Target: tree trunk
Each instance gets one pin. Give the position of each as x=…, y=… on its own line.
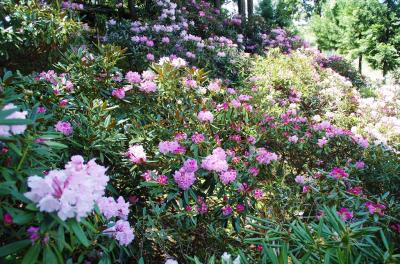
x=132, y=8
x=217, y=4
x=385, y=70
x=318, y=7
x=148, y=6
x=242, y=9
x=360, y=64
x=250, y=8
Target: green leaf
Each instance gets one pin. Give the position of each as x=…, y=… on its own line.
x=77, y=229
x=60, y=238
x=14, y=247
x=11, y=122
x=55, y=145
x=32, y=255
x=49, y=256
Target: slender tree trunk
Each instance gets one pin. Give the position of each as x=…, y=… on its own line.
x=148, y=6
x=250, y=8
x=360, y=64
x=385, y=71
x=242, y=8
x=318, y=7
x=217, y=4
x=132, y=8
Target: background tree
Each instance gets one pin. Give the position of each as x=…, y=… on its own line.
x=361, y=28
x=278, y=13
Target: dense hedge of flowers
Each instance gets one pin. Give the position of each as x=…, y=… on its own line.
x=162, y=161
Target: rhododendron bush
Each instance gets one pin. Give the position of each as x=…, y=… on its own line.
x=178, y=148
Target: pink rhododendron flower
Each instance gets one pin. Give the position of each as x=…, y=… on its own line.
x=148, y=87
x=180, y=136
x=64, y=127
x=169, y=147
x=258, y=194
x=360, y=165
x=184, y=179
x=165, y=40
x=251, y=140
x=355, y=190
x=227, y=210
x=118, y=93
x=6, y=130
x=362, y=142
x=240, y=208
x=322, y=142
x=214, y=86
x=216, y=161
x=178, y=62
x=205, y=116
x=7, y=219
x=111, y=208
x=265, y=157
x=293, y=139
x=338, y=173
x=136, y=154
x=254, y=171
x=202, y=207
x=396, y=227
x=63, y=103
x=70, y=192
x=148, y=75
x=41, y=110
x=190, y=165
x=375, y=208
x=306, y=188
x=133, y=77
x=69, y=86
x=122, y=232
x=33, y=233
x=150, y=57
x=162, y=180
x=197, y=138
x=190, y=83
x=228, y=176
x=345, y=214
x=300, y=179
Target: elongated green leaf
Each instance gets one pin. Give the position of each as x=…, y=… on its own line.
x=32, y=255
x=77, y=229
x=14, y=247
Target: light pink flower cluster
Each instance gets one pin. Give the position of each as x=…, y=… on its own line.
x=64, y=127
x=258, y=194
x=111, y=208
x=70, y=192
x=216, y=161
x=133, y=77
x=185, y=176
x=148, y=87
x=197, y=138
x=171, y=147
x=205, y=116
x=214, y=86
x=136, y=154
x=122, y=232
x=228, y=176
x=5, y=130
x=265, y=157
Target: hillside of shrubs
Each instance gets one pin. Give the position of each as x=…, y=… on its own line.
x=188, y=135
